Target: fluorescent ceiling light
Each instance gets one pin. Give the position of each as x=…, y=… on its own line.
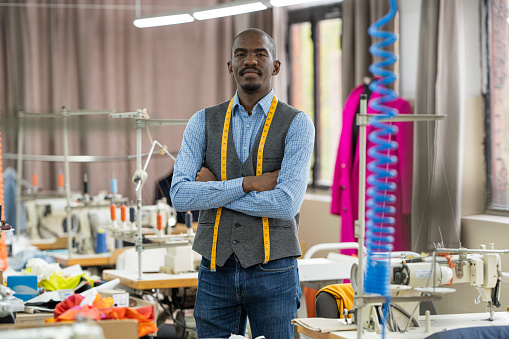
x=281, y=3
x=229, y=10
x=163, y=20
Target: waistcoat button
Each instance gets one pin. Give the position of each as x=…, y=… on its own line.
x=237, y=225
x=235, y=242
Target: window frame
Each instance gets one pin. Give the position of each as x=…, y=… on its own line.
x=489, y=152
x=313, y=15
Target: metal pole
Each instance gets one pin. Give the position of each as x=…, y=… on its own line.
x=21, y=138
x=139, y=240
x=465, y=250
x=433, y=266
x=361, y=221
x=67, y=181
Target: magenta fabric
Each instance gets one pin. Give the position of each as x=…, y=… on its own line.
x=345, y=186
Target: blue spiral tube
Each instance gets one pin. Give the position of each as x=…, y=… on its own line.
x=379, y=216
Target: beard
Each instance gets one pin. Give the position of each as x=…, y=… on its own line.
x=251, y=87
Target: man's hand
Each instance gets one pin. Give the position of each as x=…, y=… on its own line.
x=204, y=175
x=261, y=183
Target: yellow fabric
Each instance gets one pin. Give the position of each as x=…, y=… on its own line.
x=343, y=293
x=58, y=282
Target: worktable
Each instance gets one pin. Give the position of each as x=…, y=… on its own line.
x=152, y=280
x=438, y=324
x=50, y=244
x=88, y=260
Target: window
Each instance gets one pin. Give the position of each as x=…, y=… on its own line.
x=497, y=101
x=315, y=81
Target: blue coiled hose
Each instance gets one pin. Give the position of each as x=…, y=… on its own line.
x=379, y=216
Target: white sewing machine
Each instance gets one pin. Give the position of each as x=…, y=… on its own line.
x=415, y=279
x=45, y=218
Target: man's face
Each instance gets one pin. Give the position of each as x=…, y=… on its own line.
x=252, y=63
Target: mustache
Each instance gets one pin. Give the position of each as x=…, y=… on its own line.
x=250, y=69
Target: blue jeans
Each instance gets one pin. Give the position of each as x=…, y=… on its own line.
x=269, y=294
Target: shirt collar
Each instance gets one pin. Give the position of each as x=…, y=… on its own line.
x=263, y=104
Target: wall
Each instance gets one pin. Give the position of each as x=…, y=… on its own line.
x=317, y=224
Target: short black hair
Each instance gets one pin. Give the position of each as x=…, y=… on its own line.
x=272, y=44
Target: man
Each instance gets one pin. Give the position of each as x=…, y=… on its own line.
x=245, y=165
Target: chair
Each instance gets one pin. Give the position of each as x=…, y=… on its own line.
x=332, y=299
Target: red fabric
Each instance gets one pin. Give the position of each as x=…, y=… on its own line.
x=345, y=186
x=69, y=310
x=70, y=302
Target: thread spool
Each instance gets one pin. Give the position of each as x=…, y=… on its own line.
x=160, y=222
x=132, y=216
x=35, y=181
x=123, y=213
x=60, y=182
x=189, y=219
x=85, y=184
x=113, y=186
x=113, y=214
x=189, y=222
x=100, y=242
x=160, y=225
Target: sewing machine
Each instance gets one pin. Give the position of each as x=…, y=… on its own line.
x=418, y=278
x=45, y=218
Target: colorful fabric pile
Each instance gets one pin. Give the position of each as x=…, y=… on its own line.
x=74, y=308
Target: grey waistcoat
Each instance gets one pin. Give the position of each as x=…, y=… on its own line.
x=240, y=233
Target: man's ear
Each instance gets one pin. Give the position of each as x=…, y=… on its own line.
x=230, y=68
x=276, y=66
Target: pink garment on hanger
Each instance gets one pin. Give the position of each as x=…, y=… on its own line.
x=345, y=186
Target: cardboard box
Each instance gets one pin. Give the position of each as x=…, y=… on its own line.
x=28, y=319
x=120, y=297
x=113, y=329
x=136, y=302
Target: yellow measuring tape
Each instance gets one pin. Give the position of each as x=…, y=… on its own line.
x=259, y=168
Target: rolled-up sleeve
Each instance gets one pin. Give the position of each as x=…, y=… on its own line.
x=188, y=194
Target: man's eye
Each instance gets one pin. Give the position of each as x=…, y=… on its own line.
x=261, y=54
x=240, y=54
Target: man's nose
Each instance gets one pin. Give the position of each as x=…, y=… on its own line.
x=250, y=60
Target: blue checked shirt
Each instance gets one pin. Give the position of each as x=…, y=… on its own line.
x=283, y=202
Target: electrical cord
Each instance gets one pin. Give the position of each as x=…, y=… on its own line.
x=172, y=317
x=406, y=314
